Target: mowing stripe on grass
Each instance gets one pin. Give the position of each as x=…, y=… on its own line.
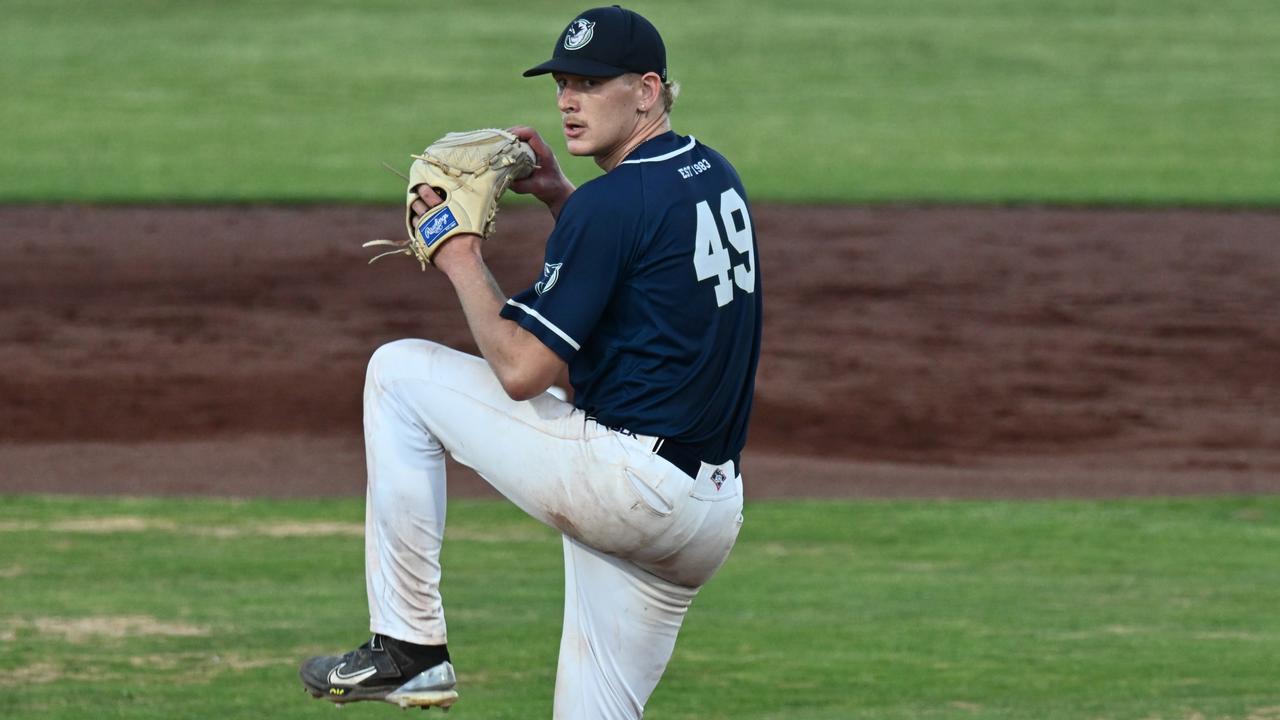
x=824, y=100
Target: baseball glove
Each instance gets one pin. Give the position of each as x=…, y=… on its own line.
x=470, y=171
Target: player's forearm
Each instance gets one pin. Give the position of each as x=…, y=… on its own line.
x=515, y=355
x=482, y=300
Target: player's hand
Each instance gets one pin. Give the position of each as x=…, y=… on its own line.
x=464, y=243
x=547, y=183
x=429, y=200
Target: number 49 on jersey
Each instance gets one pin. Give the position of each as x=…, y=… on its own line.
x=711, y=259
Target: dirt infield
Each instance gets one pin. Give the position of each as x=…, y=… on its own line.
x=957, y=352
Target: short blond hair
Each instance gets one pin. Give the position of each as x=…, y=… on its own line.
x=670, y=91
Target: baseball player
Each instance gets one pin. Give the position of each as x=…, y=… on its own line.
x=649, y=307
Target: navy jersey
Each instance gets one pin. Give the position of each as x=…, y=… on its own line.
x=650, y=292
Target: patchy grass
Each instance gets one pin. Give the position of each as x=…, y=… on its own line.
x=154, y=608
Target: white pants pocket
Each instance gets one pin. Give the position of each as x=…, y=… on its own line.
x=648, y=495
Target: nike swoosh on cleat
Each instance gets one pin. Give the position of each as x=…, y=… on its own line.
x=337, y=678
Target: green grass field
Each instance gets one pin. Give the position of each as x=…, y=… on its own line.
x=1148, y=101
x=1151, y=609
x=150, y=608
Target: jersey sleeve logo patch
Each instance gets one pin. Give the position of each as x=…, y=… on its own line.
x=550, y=274
x=435, y=227
x=579, y=34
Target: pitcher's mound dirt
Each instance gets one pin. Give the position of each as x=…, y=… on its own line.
x=965, y=352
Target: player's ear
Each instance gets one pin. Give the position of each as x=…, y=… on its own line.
x=650, y=91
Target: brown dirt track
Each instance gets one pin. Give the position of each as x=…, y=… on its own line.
x=958, y=352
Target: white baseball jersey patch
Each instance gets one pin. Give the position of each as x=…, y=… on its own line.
x=550, y=274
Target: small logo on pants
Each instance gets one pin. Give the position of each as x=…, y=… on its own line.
x=718, y=477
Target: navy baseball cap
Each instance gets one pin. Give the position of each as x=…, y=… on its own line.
x=607, y=42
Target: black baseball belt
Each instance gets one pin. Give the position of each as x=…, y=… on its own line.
x=687, y=457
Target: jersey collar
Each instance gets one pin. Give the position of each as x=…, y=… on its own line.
x=660, y=147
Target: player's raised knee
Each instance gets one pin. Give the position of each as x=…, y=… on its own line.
x=398, y=357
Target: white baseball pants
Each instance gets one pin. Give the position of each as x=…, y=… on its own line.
x=640, y=536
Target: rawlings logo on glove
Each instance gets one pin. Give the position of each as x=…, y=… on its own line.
x=472, y=169
x=432, y=228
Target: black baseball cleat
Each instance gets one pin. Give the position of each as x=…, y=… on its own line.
x=384, y=669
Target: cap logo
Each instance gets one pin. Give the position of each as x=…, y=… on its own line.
x=579, y=34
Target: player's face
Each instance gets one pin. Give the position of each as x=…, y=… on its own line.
x=598, y=115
